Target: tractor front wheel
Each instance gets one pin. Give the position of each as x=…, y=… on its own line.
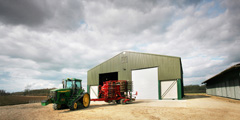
x=74, y=107
x=86, y=100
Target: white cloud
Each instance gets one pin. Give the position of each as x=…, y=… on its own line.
x=205, y=34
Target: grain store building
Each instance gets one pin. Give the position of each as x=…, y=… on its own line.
x=226, y=83
x=153, y=76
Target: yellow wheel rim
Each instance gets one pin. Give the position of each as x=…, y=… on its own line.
x=75, y=106
x=86, y=100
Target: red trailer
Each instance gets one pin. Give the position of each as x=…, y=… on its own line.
x=116, y=91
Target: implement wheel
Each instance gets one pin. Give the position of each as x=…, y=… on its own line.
x=86, y=100
x=122, y=101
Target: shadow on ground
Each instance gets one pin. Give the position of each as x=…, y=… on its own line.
x=103, y=105
x=195, y=96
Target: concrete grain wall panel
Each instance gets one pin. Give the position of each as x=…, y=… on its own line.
x=228, y=87
x=232, y=89
x=237, y=88
x=226, y=83
x=214, y=89
x=218, y=89
x=208, y=91
x=223, y=88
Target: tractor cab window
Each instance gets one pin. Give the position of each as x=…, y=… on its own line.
x=69, y=84
x=78, y=84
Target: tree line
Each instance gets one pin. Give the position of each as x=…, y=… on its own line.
x=195, y=89
x=28, y=92
x=3, y=93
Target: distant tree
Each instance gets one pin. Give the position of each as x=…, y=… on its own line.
x=195, y=89
x=27, y=90
x=37, y=92
x=3, y=92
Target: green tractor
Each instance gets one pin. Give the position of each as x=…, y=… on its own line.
x=72, y=96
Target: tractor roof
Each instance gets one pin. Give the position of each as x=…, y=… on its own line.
x=73, y=79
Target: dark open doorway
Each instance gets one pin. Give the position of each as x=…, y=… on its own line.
x=107, y=76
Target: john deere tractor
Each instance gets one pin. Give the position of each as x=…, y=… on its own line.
x=72, y=96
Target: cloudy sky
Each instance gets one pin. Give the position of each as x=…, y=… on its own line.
x=44, y=41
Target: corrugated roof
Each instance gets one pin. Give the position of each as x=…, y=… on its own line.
x=226, y=70
x=135, y=53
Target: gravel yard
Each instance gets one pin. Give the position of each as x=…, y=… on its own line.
x=192, y=107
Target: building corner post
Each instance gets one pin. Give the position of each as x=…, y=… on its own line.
x=88, y=89
x=159, y=89
x=179, y=89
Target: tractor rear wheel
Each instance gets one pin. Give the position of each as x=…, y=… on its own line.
x=86, y=100
x=56, y=106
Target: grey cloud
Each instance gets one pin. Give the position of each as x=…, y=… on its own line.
x=184, y=3
x=189, y=2
x=28, y=12
x=134, y=16
x=57, y=14
x=129, y=17
x=142, y=5
x=146, y=5
x=233, y=55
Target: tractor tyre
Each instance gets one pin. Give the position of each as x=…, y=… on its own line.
x=56, y=106
x=86, y=100
x=74, y=106
x=122, y=101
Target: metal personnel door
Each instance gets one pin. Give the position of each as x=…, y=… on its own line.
x=94, y=92
x=169, y=89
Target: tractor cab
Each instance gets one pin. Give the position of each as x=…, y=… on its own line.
x=73, y=83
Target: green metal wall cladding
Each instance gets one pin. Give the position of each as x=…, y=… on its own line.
x=169, y=67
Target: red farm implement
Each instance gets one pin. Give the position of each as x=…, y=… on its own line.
x=116, y=91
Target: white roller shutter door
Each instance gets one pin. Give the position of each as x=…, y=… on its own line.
x=145, y=82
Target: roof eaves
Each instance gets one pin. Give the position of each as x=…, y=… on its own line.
x=224, y=71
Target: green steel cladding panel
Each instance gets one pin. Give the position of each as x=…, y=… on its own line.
x=159, y=90
x=168, y=67
x=179, y=89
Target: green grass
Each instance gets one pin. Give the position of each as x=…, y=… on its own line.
x=14, y=100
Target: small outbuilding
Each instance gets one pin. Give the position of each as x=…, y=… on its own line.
x=226, y=83
x=153, y=76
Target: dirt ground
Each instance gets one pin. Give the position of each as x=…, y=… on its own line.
x=194, y=107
